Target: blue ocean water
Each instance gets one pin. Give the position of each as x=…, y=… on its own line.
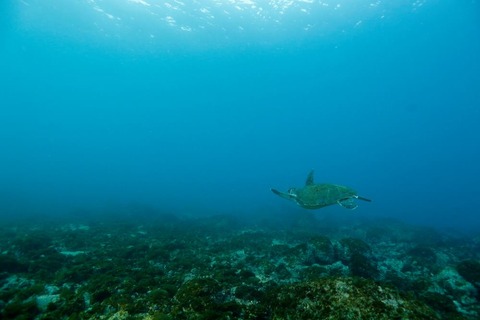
x=199, y=107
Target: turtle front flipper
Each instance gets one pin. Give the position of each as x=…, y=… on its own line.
x=284, y=195
x=310, y=179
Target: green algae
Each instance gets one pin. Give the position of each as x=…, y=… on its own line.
x=345, y=298
x=203, y=298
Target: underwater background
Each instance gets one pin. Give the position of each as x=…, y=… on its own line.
x=107, y=102
x=127, y=125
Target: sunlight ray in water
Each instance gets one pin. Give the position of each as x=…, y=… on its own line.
x=214, y=20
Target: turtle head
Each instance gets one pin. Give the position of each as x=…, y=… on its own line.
x=290, y=195
x=292, y=192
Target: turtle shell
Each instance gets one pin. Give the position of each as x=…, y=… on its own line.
x=317, y=196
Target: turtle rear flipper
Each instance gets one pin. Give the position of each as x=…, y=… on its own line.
x=348, y=203
x=364, y=199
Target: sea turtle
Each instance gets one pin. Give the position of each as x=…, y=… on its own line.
x=316, y=196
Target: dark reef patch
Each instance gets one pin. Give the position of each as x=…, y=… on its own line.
x=470, y=271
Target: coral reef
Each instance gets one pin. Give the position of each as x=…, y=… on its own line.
x=225, y=268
